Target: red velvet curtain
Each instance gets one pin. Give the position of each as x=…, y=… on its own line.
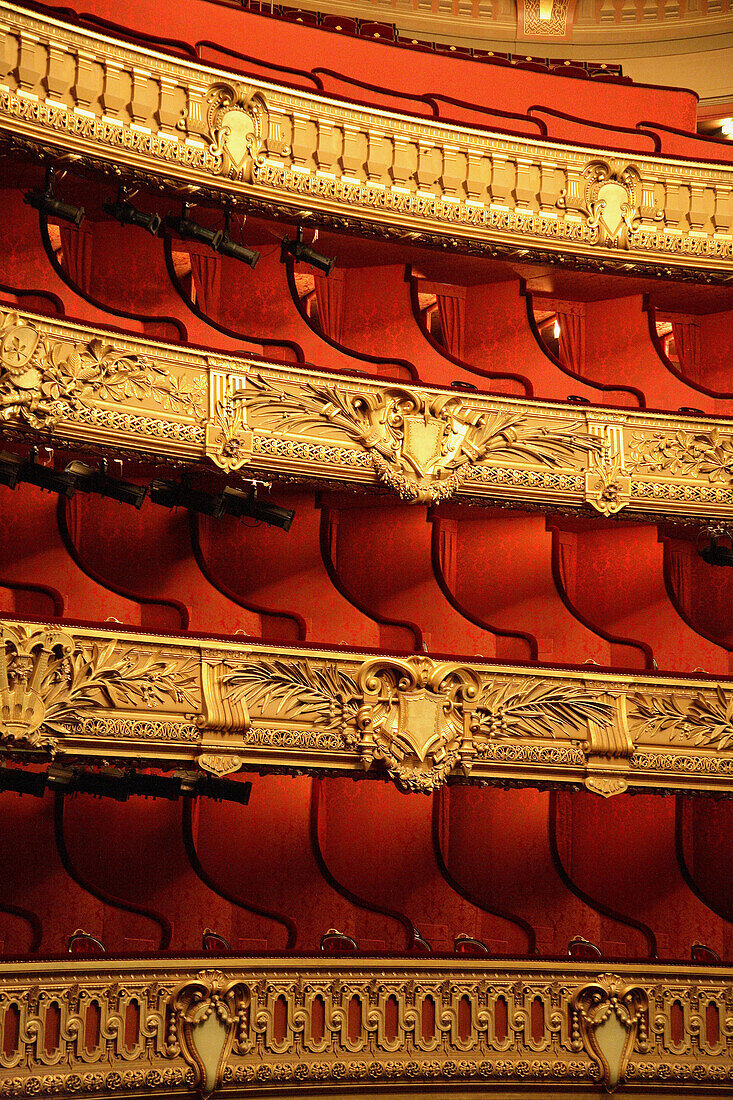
x=687, y=344
x=452, y=313
x=330, y=302
x=76, y=246
x=206, y=272
x=571, y=341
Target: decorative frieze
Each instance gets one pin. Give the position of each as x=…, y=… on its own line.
x=103, y=694
x=116, y=105
x=241, y=1026
x=96, y=388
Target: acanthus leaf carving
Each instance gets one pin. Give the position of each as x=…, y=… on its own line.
x=423, y=446
x=47, y=677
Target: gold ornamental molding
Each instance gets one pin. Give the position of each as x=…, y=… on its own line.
x=203, y=130
x=95, y=388
x=381, y=1027
x=100, y=694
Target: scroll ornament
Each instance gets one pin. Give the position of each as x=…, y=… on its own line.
x=47, y=677
x=607, y=1018
x=44, y=379
x=210, y=1017
x=239, y=126
x=421, y=718
x=423, y=446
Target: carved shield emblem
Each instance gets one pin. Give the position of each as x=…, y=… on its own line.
x=238, y=130
x=17, y=348
x=421, y=443
x=612, y=198
x=420, y=722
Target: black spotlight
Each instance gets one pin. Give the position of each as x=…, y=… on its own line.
x=127, y=214
x=46, y=202
x=176, y=494
x=190, y=230
x=91, y=479
x=718, y=552
x=218, y=239
x=303, y=252
x=237, y=503
x=13, y=469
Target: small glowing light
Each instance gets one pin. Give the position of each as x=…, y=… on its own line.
x=556, y=329
x=726, y=127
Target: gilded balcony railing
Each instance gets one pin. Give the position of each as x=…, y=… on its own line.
x=88, y=386
x=306, y=156
x=380, y=1027
x=102, y=694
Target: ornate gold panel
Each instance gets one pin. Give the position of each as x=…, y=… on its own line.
x=382, y=1027
x=76, y=384
x=309, y=157
x=101, y=694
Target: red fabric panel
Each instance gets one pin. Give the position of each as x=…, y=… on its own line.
x=330, y=300
x=206, y=272
x=687, y=345
x=572, y=341
x=452, y=313
x=638, y=873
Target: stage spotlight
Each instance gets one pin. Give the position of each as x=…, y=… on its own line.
x=223, y=790
x=237, y=503
x=219, y=239
x=174, y=494
x=302, y=252
x=46, y=202
x=14, y=469
x=227, y=247
x=127, y=214
x=717, y=552
x=91, y=479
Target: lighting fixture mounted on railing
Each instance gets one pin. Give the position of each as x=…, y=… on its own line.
x=218, y=239
x=45, y=202
x=127, y=214
x=303, y=253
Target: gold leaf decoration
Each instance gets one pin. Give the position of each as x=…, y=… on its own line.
x=539, y=709
x=704, y=454
x=47, y=677
x=296, y=688
x=705, y=720
x=422, y=445
x=43, y=379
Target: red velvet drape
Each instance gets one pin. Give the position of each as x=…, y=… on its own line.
x=687, y=344
x=452, y=313
x=206, y=272
x=571, y=341
x=76, y=246
x=330, y=302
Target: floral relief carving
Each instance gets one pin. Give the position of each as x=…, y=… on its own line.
x=423, y=446
x=421, y=718
x=703, y=454
x=47, y=677
x=705, y=720
x=44, y=379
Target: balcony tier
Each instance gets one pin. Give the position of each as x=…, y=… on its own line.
x=326, y=160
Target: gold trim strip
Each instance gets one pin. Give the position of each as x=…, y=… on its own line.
x=257, y=1026
x=78, y=384
x=83, y=693
x=70, y=90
